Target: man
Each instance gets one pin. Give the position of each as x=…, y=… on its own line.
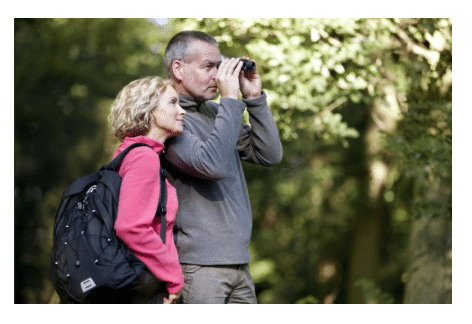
x=214, y=222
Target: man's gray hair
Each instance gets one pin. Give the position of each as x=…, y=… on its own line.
x=177, y=47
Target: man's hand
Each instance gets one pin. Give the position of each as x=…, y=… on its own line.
x=250, y=83
x=227, y=78
x=172, y=299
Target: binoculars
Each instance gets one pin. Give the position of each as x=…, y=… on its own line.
x=247, y=65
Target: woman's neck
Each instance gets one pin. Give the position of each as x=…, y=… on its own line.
x=158, y=134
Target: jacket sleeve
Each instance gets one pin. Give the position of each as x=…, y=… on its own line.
x=260, y=142
x=139, y=196
x=208, y=159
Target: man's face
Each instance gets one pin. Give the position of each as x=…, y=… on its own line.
x=198, y=78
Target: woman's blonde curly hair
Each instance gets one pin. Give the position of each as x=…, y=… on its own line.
x=130, y=113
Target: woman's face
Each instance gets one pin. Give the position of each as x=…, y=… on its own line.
x=168, y=116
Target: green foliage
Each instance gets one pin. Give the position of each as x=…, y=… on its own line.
x=422, y=145
x=298, y=68
x=67, y=71
x=308, y=300
x=373, y=294
x=423, y=148
x=321, y=76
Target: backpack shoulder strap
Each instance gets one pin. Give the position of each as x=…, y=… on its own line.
x=116, y=163
x=161, y=207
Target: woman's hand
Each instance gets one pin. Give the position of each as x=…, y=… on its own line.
x=172, y=299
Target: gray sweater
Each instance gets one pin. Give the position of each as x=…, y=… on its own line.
x=214, y=221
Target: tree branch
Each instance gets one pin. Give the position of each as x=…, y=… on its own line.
x=331, y=107
x=431, y=56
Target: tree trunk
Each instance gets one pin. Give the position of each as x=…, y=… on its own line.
x=368, y=228
x=365, y=253
x=429, y=277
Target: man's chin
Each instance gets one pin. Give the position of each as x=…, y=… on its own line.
x=211, y=95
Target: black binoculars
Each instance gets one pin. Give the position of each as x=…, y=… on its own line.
x=247, y=65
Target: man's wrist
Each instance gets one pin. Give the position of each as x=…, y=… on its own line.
x=255, y=101
x=252, y=96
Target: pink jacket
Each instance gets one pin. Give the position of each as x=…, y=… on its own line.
x=136, y=224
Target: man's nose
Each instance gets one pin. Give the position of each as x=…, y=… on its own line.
x=214, y=71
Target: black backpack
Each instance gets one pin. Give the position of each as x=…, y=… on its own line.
x=90, y=264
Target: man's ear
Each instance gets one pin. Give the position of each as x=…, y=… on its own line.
x=176, y=68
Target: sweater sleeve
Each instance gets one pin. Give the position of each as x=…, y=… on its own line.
x=260, y=142
x=208, y=159
x=135, y=224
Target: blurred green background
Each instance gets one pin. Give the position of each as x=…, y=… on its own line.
x=359, y=210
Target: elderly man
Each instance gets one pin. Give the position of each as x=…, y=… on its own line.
x=214, y=222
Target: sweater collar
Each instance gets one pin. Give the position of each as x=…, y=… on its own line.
x=189, y=103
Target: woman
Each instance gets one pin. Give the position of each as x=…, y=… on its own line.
x=148, y=111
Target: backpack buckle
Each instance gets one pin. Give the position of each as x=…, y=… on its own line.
x=91, y=189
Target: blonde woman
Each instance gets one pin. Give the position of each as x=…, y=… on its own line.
x=148, y=111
